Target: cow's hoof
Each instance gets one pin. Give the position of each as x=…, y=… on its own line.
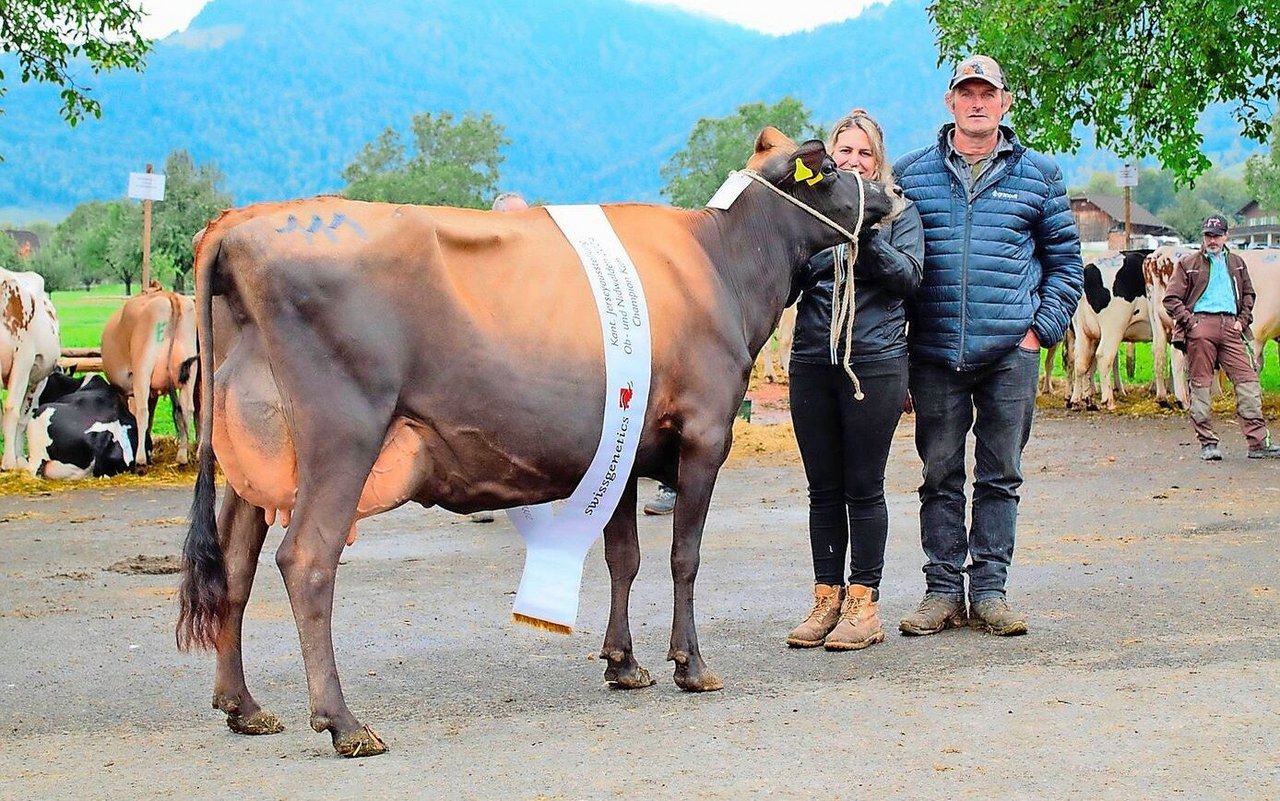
x=364, y=743
x=260, y=722
x=627, y=675
x=693, y=675
x=704, y=681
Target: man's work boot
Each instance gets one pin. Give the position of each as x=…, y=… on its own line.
x=859, y=624
x=994, y=615
x=1267, y=451
x=827, y=599
x=664, y=503
x=935, y=613
x=1210, y=453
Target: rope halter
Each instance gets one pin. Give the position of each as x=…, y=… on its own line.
x=842, y=303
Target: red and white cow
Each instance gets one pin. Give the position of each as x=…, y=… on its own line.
x=149, y=349
x=29, y=351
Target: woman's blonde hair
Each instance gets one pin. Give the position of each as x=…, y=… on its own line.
x=859, y=118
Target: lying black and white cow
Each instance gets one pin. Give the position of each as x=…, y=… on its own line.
x=87, y=431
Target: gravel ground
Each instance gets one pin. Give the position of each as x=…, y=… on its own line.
x=1152, y=669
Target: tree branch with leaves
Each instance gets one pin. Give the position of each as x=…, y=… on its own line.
x=56, y=40
x=1140, y=74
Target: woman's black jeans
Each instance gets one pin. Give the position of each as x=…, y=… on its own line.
x=844, y=444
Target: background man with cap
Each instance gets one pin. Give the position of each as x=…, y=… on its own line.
x=1002, y=276
x=1210, y=299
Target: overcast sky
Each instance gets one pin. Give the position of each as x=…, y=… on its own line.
x=166, y=16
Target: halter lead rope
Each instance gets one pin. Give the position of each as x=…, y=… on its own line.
x=842, y=304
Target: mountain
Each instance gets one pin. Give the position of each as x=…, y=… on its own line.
x=595, y=95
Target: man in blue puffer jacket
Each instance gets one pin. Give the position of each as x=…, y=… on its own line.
x=1002, y=276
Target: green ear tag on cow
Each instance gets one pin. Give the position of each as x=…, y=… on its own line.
x=815, y=179
x=803, y=172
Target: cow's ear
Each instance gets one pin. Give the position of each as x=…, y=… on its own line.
x=807, y=162
x=771, y=138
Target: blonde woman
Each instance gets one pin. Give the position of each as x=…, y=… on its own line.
x=844, y=441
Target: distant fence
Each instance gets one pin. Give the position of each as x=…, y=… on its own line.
x=81, y=360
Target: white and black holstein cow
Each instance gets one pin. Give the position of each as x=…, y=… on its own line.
x=445, y=356
x=1113, y=309
x=81, y=428
x=29, y=349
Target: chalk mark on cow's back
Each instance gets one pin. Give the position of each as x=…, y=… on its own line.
x=318, y=225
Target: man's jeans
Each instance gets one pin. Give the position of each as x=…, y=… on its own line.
x=1004, y=396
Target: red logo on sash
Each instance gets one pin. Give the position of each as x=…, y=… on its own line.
x=624, y=396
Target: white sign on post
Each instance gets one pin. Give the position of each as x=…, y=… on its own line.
x=1127, y=175
x=146, y=186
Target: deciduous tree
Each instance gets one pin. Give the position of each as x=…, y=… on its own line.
x=55, y=39
x=1139, y=73
x=453, y=163
x=719, y=145
x=1262, y=173
x=192, y=197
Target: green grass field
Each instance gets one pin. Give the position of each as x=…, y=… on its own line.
x=1270, y=376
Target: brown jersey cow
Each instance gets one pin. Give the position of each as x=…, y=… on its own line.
x=453, y=357
x=149, y=349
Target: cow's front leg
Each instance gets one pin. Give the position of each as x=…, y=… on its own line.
x=697, y=480
x=622, y=554
x=241, y=531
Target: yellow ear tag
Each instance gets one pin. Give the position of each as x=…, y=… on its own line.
x=815, y=179
x=802, y=172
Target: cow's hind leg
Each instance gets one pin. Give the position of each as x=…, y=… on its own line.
x=622, y=553
x=343, y=441
x=700, y=460
x=241, y=529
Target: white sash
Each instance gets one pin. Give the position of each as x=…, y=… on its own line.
x=557, y=541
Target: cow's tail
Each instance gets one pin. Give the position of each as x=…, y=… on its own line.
x=202, y=596
x=175, y=314
x=184, y=370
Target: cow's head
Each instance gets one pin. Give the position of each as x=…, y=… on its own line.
x=808, y=173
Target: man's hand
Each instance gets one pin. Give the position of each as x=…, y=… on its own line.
x=1030, y=341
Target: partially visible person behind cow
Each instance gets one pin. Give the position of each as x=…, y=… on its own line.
x=505, y=201
x=1002, y=276
x=844, y=441
x=1210, y=299
x=510, y=201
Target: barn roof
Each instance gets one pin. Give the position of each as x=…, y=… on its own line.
x=1113, y=207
